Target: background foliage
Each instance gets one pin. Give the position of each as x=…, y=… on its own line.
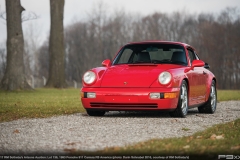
x=88, y=42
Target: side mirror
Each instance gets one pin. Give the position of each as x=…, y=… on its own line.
x=106, y=63
x=207, y=66
x=197, y=63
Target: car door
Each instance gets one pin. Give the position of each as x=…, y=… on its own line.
x=197, y=81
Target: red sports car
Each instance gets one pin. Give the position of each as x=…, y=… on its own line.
x=151, y=76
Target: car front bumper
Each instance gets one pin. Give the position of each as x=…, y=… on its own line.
x=129, y=99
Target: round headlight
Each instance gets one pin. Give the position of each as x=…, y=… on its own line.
x=164, y=78
x=89, y=77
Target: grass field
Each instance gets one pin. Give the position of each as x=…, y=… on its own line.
x=219, y=139
x=42, y=103
x=39, y=103
x=227, y=95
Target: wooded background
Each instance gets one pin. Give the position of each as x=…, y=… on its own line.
x=87, y=43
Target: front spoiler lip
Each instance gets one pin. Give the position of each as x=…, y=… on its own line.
x=129, y=109
x=141, y=93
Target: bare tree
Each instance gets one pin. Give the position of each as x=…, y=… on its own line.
x=32, y=41
x=42, y=62
x=2, y=60
x=56, y=77
x=14, y=77
x=215, y=37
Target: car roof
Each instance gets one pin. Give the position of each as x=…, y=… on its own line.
x=162, y=42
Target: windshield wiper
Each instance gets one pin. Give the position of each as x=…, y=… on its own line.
x=161, y=61
x=142, y=63
x=179, y=62
x=137, y=62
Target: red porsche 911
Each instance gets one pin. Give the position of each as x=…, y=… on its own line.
x=151, y=76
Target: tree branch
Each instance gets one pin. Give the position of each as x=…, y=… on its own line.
x=27, y=16
x=3, y=15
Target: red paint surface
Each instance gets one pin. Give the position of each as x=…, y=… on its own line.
x=127, y=87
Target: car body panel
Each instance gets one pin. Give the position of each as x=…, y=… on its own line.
x=128, y=99
x=133, y=75
x=127, y=86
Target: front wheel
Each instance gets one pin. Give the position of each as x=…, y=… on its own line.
x=211, y=105
x=95, y=113
x=182, y=107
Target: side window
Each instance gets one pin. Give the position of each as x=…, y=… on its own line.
x=192, y=55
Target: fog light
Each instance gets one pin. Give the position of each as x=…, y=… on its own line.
x=170, y=95
x=154, y=95
x=91, y=95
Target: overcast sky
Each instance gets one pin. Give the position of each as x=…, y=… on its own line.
x=78, y=9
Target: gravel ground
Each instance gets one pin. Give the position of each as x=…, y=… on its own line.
x=61, y=134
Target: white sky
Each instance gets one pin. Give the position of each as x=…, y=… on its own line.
x=78, y=9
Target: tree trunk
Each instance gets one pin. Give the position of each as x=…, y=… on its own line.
x=56, y=77
x=14, y=77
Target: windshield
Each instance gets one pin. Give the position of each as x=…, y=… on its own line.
x=151, y=53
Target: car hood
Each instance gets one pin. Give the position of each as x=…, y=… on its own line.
x=141, y=75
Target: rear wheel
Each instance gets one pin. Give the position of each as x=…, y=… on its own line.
x=95, y=113
x=182, y=107
x=211, y=105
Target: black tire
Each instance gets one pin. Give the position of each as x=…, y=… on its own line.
x=182, y=106
x=211, y=105
x=95, y=113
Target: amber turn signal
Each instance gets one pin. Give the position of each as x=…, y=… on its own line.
x=170, y=95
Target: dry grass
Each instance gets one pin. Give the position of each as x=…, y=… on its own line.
x=40, y=103
x=227, y=95
x=219, y=139
x=43, y=103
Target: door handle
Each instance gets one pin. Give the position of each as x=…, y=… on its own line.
x=204, y=72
